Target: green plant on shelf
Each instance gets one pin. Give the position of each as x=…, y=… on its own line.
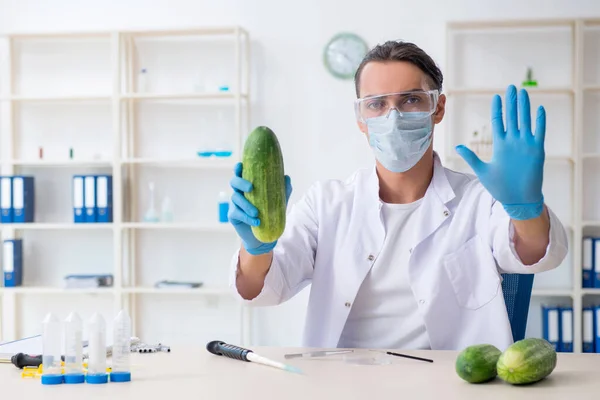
x=529, y=81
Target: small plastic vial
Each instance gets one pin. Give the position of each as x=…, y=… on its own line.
x=73, y=349
x=121, y=371
x=223, y=207
x=51, y=351
x=166, y=213
x=97, y=351
x=143, y=80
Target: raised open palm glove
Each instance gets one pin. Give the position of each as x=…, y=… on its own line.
x=514, y=175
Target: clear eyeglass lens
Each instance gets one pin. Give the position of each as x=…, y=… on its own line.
x=403, y=102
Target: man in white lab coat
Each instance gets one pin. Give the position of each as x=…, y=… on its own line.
x=408, y=254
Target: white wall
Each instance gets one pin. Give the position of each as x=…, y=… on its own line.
x=310, y=111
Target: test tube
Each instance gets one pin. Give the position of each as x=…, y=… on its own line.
x=51, y=351
x=121, y=348
x=97, y=350
x=73, y=349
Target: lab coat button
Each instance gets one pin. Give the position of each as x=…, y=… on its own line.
x=410, y=250
x=371, y=257
x=347, y=304
x=421, y=301
x=446, y=213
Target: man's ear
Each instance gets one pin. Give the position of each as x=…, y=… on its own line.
x=440, y=110
x=362, y=126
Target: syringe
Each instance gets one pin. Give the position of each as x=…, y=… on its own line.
x=121, y=349
x=73, y=349
x=51, y=351
x=97, y=351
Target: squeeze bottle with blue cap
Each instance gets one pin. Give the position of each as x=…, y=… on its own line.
x=97, y=351
x=73, y=349
x=121, y=348
x=51, y=351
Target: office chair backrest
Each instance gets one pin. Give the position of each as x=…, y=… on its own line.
x=516, y=289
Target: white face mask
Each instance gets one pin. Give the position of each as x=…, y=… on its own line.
x=399, y=142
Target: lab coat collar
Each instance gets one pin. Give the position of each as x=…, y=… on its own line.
x=439, y=186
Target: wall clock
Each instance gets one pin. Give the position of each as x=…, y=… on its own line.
x=343, y=53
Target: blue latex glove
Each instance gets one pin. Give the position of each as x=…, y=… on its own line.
x=515, y=173
x=243, y=214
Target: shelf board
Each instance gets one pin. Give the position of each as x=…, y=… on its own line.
x=591, y=87
x=590, y=291
x=61, y=163
x=219, y=291
x=552, y=293
x=182, y=96
x=198, y=162
x=58, y=98
x=502, y=91
x=590, y=223
x=55, y=290
x=223, y=227
x=590, y=155
x=56, y=226
x=496, y=24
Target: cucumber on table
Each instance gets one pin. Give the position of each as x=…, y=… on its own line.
x=527, y=361
x=477, y=363
x=262, y=165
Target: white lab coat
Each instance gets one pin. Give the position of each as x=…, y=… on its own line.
x=463, y=242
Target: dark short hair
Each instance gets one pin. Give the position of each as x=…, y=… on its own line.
x=402, y=51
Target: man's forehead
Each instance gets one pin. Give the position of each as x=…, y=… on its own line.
x=391, y=77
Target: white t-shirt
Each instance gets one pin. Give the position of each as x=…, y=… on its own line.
x=385, y=313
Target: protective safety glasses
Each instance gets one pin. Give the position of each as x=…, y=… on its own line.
x=405, y=102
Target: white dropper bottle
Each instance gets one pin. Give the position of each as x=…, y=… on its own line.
x=74, y=349
x=97, y=350
x=121, y=350
x=51, y=351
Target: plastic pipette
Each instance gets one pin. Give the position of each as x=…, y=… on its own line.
x=51, y=352
x=121, y=349
x=239, y=353
x=73, y=349
x=318, y=353
x=97, y=351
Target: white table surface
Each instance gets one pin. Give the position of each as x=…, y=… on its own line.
x=193, y=373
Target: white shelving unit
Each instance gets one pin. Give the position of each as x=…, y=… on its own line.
x=485, y=57
x=81, y=90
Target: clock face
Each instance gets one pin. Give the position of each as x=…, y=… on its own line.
x=343, y=54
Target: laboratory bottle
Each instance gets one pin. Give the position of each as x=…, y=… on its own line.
x=223, y=207
x=151, y=214
x=121, y=351
x=143, y=81
x=166, y=213
x=97, y=350
x=74, y=349
x=51, y=350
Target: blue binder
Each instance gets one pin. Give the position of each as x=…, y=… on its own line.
x=588, y=331
x=566, y=334
x=6, y=210
x=596, y=264
x=588, y=262
x=104, y=199
x=89, y=198
x=23, y=201
x=551, y=325
x=597, y=329
x=78, y=198
x=13, y=262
